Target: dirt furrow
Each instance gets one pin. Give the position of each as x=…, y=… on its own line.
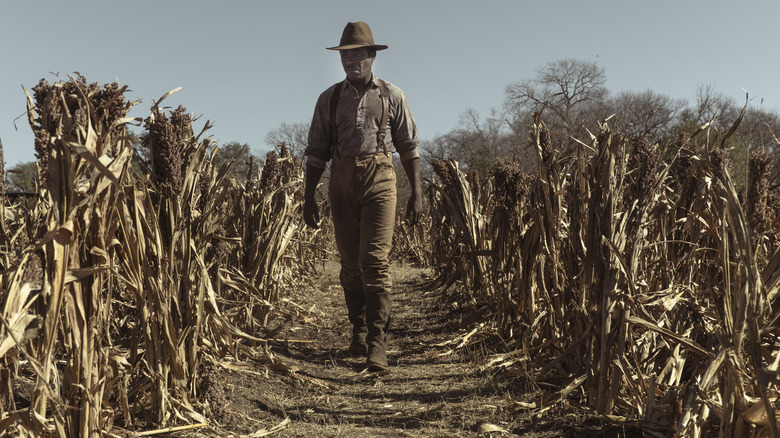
x=426, y=392
x=316, y=389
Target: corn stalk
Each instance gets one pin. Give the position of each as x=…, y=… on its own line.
x=468, y=224
x=85, y=166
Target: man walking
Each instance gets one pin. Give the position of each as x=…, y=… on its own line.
x=357, y=125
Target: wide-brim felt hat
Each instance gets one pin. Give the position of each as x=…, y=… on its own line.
x=355, y=36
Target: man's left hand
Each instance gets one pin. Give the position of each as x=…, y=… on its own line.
x=414, y=206
x=414, y=209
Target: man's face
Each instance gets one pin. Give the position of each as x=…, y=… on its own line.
x=357, y=64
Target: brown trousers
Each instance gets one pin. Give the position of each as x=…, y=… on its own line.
x=362, y=196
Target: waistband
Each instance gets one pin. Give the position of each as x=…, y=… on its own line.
x=379, y=158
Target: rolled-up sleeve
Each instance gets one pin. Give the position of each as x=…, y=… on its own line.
x=318, y=151
x=404, y=130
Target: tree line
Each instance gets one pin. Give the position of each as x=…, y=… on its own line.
x=572, y=98
x=570, y=95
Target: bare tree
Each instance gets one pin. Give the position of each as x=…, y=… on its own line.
x=475, y=144
x=757, y=128
x=757, y=131
x=562, y=91
x=647, y=114
x=295, y=136
x=710, y=105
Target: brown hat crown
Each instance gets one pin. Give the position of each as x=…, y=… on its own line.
x=357, y=35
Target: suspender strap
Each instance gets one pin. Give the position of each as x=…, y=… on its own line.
x=384, y=94
x=334, y=103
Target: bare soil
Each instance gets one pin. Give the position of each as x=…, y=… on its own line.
x=317, y=389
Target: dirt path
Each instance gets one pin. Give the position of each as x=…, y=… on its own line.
x=324, y=392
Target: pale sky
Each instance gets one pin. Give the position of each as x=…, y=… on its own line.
x=249, y=66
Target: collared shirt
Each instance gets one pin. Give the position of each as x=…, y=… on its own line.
x=357, y=123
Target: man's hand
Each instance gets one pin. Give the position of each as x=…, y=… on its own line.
x=311, y=213
x=414, y=208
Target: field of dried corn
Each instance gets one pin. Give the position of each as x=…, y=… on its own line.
x=650, y=284
x=637, y=280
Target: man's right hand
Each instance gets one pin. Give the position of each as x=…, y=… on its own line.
x=311, y=213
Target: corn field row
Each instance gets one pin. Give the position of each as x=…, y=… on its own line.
x=640, y=279
x=118, y=288
x=648, y=284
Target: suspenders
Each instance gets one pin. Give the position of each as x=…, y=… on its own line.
x=384, y=95
x=334, y=103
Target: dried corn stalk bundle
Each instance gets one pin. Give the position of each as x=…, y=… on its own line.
x=313, y=247
x=19, y=323
x=542, y=248
x=412, y=244
x=64, y=280
x=514, y=242
x=647, y=288
x=19, y=219
x=273, y=250
x=167, y=230
x=442, y=236
x=6, y=393
x=129, y=282
x=5, y=239
x=455, y=206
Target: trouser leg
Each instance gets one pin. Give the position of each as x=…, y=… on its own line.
x=356, y=311
x=363, y=202
x=346, y=219
x=376, y=229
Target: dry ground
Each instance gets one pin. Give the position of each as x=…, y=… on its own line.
x=319, y=390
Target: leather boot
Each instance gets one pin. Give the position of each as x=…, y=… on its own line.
x=358, y=345
x=356, y=309
x=378, y=321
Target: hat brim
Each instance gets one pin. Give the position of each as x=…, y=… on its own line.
x=357, y=46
